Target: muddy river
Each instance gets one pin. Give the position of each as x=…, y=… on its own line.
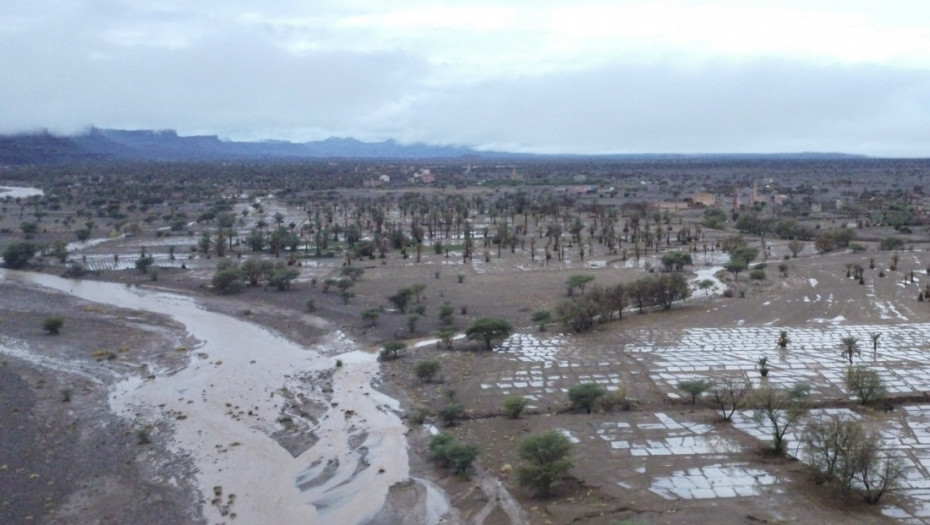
x=226, y=409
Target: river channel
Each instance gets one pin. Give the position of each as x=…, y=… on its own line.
x=226, y=409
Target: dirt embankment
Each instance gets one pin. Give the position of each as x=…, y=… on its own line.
x=64, y=456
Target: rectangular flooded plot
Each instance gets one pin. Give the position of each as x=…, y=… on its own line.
x=714, y=481
x=905, y=434
x=813, y=355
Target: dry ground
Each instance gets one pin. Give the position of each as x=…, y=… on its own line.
x=64, y=456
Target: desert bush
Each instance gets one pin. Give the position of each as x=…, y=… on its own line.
x=328, y=283
x=585, y=396
x=228, y=278
x=450, y=452
x=615, y=400
x=143, y=436
x=446, y=313
x=729, y=395
x=371, y=315
x=865, y=384
x=282, y=277
x=450, y=413
x=53, y=324
x=514, y=405
x=418, y=415
x=541, y=318
x=545, y=461
x=890, y=244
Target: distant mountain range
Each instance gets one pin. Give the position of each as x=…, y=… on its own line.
x=112, y=145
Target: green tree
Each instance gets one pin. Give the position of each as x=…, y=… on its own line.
x=670, y=288
x=17, y=254
x=735, y=266
x=391, y=349
x=427, y=369
x=60, y=250
x=446, y=314
x=545, y=461
x=144, y=263
x=676, y=260
x=416, y=290
x=706, y=285
x=715, y=218
x=82, y=235
x=256, y=240
x=412, y=322
x=450, y=452
x=850, y=346
x=585, y=396
x=254, y=268
x=30, y=229
x=781, y=409
x=205, y=243
x=487, y=329
x=577, y=313
x=694, y=387
x=577, y=281
x=401, y=299
x=446, y=336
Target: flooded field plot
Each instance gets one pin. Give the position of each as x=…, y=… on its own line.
x=905, y=435
x=814, y=355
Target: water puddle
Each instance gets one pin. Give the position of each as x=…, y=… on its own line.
x=19, y=192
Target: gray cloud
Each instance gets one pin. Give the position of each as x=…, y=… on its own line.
x=228, y=83
x=131, y=65
x=758, y=106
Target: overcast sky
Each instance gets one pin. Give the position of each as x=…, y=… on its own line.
x=581, y=76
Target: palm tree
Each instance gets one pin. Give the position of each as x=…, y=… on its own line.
x=875, y=337
x=850, y=345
